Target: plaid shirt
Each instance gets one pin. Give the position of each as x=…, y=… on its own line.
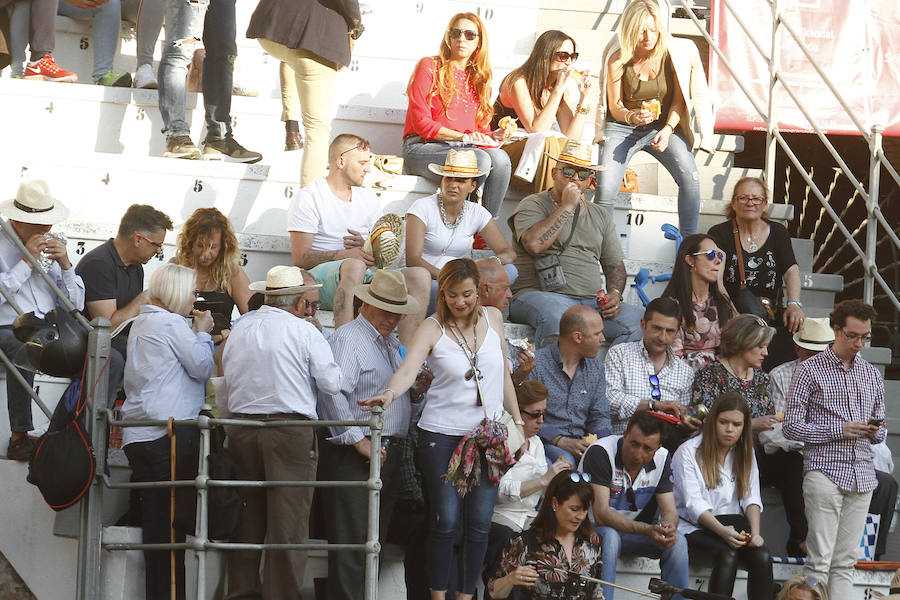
x=628, y=371
x=824, y=395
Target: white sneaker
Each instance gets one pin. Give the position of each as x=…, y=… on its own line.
x=145, y=78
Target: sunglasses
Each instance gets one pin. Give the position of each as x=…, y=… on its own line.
x=534, y=415
x=363, y=146
x=571, y=172
x=751, y=200
x=566, y=56
x=158, y=245
x=629, y=495
x=470, y=34
x=711, y=254
x=474, y=371
x=655, y=392
x=575, y=476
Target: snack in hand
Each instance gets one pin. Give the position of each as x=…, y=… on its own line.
x=745, y=537
x=576, y=75
x=590, y=438
x=522, y=344
x=508, y=123
x=654, y=106
x=780, y=417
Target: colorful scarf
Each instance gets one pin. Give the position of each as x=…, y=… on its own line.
x=465, y=463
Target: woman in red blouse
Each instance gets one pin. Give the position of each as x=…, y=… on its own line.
x=450, y=106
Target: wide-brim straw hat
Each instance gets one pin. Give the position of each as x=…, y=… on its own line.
x=283, y=281
x=576, y=154
x=815, y=334
x=459, y=163
x=894, y=593
x=387, y=291
x=34, y=204
x=386, y=240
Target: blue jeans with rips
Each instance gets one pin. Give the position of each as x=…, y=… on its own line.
x=624, y=141
x=542, y=310
x=673, y=561
x=219, y=33
x=184, y=22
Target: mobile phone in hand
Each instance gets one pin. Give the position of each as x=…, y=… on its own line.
x=876, y=422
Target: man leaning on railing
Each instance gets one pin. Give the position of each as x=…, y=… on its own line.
x=273, y=362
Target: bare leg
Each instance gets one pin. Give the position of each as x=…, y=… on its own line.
x=352, y=272
x=418, y=285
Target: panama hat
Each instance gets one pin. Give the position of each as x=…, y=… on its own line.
x=387, y=292
x=894, y=593
x=283, y=281
x=576, y=154
x=34, y=204
x=459, y=163
x=815, y=334
x=386, y=240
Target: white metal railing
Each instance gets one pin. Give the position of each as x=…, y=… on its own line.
x=774, y=139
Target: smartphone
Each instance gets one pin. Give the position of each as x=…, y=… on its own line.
x=876, y=422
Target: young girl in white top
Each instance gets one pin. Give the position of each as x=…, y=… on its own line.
x=717, y=495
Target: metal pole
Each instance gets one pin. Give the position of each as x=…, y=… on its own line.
x=771, y=119
x=373, y=546
x=202, y=503
x=90, y=534
x=871, y=208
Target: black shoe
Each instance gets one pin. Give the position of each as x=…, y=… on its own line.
x=230, y=151
x=181, y=146
x=21, y=449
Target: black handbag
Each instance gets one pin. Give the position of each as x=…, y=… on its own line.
x=745, y=301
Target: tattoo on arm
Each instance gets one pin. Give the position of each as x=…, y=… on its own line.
x=615, y=276
x=317, y=257
x=551, y=232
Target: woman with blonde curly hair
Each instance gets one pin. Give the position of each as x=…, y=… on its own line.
x=208, y=245
x=450, y=106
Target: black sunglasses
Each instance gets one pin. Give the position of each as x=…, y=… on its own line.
x=363, y=146
x=655, y=393
x=711, y=254
x=575, y=476
x=566, y=56
x=470, y=34
x=534, y=415
x=571, y=172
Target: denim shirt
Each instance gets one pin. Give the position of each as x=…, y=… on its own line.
x=575, y=407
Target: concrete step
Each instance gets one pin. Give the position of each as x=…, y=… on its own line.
x=803, y=252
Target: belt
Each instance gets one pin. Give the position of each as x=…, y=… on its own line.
x=272, y=417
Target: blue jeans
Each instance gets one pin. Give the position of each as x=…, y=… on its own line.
x=18, y=401
x=673, y=561
x=553, y=453
x=219, y=31
x=443, y=505
x=104, y=34
x=623, y=142
x=542, y=310
x=418, y=154
x=184, y=20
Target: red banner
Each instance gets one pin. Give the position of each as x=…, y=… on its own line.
x=855, y=42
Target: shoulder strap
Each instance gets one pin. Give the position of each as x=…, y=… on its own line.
x=740, y=254
x=572, y=232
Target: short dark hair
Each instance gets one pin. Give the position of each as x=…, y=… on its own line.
x=648, y=424
x=143, y=217
x=851, y=308
x=562, y=487
x=665, y=306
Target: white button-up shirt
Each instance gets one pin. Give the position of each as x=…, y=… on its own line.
x=28, y=288
x=274, y=362
x=693, y=498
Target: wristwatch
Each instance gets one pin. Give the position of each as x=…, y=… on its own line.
x=650, y=403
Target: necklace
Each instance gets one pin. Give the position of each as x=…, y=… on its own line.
x=753, y=247
x=455, y=224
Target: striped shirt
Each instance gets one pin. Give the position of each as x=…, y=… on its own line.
x=628, y=371
x=367, y=361
x=824, y=395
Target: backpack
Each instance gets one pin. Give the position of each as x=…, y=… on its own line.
x=62, y=465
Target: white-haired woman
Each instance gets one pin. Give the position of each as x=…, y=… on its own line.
x=166, y=370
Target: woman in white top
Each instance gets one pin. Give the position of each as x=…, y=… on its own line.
x=460, y=333
x=522, y=487
x=716, y=484
x=441, y=227
x=166, y=370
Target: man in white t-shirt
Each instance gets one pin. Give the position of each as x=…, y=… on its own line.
x=329, y=221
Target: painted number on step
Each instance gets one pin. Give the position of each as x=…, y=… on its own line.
x=807, y=281
x=243, y=261
x=485, y=12
x=420, y=6
x=289, y=191
x=83, y=43
x=635, y=219
x=198, y=185
x=354, y=64
x=79, y=248
x=140, y=115
x=161, y=256
x=233, y=122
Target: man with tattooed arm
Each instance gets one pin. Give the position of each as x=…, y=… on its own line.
x=562, y=242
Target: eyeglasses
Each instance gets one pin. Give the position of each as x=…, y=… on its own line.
x=710, y=254
x=571, y=172
x=575, y=476
x=655, y=393
x=750, y=200
x=566, y=56
x=534, y=415
x=857, y=337
x=363, y=146
x=311, y=306
x=159, y=245
x=629, y=495
x=470, y=34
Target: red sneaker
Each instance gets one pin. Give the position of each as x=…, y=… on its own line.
x=46, y=69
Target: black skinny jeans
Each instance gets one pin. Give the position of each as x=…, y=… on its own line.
x=784, y=470
x=725, y=560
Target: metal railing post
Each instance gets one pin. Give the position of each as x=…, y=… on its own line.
x=871, y=208
x=373, y=546
x=202, y=531
x=772, y=119
x=91, y=530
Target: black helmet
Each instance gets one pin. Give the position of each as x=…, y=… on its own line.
x=56, y=345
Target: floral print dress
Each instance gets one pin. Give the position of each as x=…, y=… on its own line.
x=700, y=346
x=546, y=557
x=714, y=380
